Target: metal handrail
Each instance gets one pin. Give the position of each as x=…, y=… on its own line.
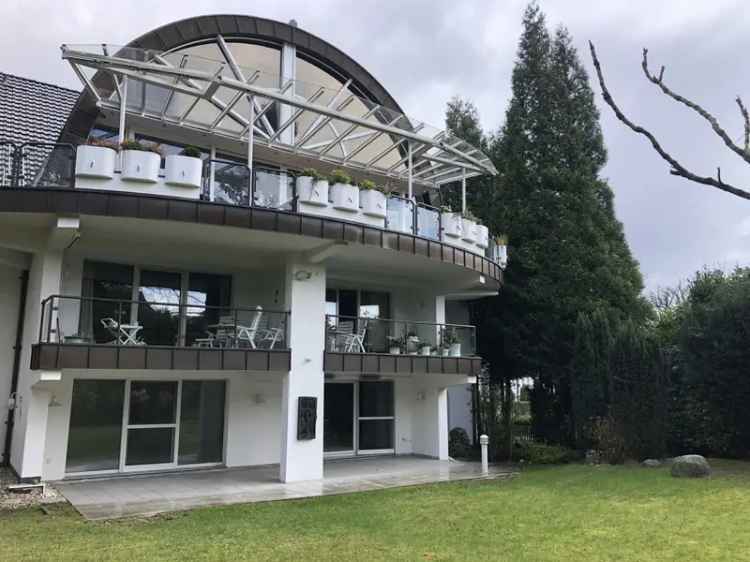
x=52, y=305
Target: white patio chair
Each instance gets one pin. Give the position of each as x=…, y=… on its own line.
x=113, y=327
x=249, y=333
x=356, y=341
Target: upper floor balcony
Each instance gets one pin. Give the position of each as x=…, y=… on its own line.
x=106, y=333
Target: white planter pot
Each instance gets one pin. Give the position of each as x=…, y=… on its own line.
x=395, y=351
x=455, y=350
x=444, y=352
x=345, y=197
x=140, y=165
x=469, y=230
x=482, y=236
x=182, y=170
x=373, y=203
x=452, y=224
x=95, y=162
x=312, y=191
x=425, y=350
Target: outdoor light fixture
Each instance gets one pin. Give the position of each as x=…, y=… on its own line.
x=302, y=275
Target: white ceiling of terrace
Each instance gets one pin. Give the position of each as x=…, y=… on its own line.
x=210, y=88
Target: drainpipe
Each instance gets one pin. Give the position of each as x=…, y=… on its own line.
x=16, y=367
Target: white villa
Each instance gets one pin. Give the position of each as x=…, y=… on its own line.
x=229, y=250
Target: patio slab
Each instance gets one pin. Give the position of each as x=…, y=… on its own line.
x=144, y=495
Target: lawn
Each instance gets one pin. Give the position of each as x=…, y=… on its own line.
x=556, y=513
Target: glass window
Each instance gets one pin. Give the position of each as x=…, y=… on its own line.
x=201, y=422
x=375, y=399
x=152, y=402
x=95, y=425
x=375, y=434
x=111, y=282
x=159, y=308
x=338, y=418
x=207, y=299
x=152, y=445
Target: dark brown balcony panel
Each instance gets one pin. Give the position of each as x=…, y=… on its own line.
x=374, y=363
x=53, y=357
x=154, y=207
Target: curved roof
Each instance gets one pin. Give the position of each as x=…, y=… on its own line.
x=205, y=28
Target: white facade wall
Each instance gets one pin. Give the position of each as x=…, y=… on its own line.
x=460, y=396
x=27, y=452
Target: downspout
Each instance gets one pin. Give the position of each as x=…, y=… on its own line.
x=16, y=367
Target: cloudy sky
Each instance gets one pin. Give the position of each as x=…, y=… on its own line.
x=425, y=51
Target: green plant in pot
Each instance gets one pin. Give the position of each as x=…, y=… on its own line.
x=339, y=176
x=451, y=342
x=191, y=151
x=140, y=146
x=311, y=173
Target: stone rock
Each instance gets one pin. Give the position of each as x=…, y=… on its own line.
x=651, y=463
x=690, y=466
x=593, y=457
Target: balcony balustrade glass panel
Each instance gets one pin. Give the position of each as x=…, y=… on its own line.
x=428, y=222
x=273, y=189
x=351, y=334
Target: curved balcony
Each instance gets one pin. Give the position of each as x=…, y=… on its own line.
x=56, y=178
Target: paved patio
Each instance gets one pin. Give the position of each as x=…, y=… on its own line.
x=126, y=496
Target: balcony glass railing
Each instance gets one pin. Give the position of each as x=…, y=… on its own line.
x=51, y=165
x=350, y=334
x=94, y=321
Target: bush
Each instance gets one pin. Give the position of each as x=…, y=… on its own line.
x=541, y=453
x=459, y=445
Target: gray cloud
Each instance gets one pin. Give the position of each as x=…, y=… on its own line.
x=425, y=51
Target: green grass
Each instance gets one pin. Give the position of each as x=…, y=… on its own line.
x=558, y=513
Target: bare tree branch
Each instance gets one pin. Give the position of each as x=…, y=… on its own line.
x=746, y=117
x=677, y=168
x=743, y=153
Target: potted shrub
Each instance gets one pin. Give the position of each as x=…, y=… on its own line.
x=184, y=169
x=372, y=199
x=312, y=187
x=469, y=225
x=412, y=343
x=345, y=196
x=96, y=159
x=452, y=223
x=451, y=342
x=140, y=161
x=395, y=345
x=425, y=349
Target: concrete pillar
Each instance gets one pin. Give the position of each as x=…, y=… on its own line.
x=305, y=298
x=29, y=432
x=430, y=420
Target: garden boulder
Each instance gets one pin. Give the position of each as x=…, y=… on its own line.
x=651, y=463
x=690, y=466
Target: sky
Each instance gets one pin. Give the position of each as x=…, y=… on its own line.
x=426, y=51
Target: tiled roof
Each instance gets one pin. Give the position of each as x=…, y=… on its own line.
x=32, y=110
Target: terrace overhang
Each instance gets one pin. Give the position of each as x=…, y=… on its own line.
x=222, y=99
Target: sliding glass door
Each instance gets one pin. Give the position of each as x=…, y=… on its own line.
x=358, y=418
x=136, y=425
x=376, y=417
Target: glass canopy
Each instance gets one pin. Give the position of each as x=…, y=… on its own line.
x=322, y=122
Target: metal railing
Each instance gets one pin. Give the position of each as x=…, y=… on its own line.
x=102, y=321
x=352, y=334
x=52, y=165
x=37, y=164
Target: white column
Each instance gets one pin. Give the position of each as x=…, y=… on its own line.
x=29, y=432
x=463, y=190
x=305, y=299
